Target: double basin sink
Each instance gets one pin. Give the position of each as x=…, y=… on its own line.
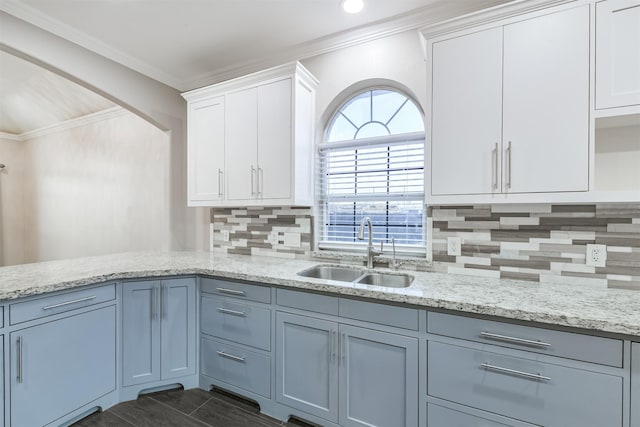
x=356, y=275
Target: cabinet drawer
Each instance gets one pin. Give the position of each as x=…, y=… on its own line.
x=59, y=303
x=307, y=301
x=241, y=368
x=605, y=351
x=527, y=390
x=238, y=322
x=383, y=314
x=439, y=416
x=236, y=289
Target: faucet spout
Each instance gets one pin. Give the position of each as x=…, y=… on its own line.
x=371, y=252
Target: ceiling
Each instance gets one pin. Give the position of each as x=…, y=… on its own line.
x=191, y=43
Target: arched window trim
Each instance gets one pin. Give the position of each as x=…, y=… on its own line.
x=404, y=202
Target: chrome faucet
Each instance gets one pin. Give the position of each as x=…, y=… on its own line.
x=371, y=252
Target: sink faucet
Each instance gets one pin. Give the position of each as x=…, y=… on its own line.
x=371, y=252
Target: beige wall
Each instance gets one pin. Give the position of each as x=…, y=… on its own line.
x=96, y=189
x=11, y=202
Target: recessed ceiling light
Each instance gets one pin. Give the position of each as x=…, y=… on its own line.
x=352, y=6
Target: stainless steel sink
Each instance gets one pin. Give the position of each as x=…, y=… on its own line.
x=387, y=280
x=356, y=275
x=332, y=272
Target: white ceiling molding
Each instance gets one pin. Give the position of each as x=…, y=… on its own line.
x=35, y=17
x=86, y=120
x=414, y=20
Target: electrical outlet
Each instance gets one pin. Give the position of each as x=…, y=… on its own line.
x=454, y=246
x=225, y=235
x=597, y=255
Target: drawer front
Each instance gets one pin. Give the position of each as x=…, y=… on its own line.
x=383, y=314
x=605, y=351
x=527, y=390
x=60, y=303
x=241, y=368
x=307, y=301
x=439, y=416
x=239, y=290
x=238, y=322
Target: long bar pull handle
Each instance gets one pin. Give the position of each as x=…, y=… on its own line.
x=508, y=180
x=19, y=376
x=334, y=344
x=75, y=301
x=234, y=312
x=260, y=181
x=230, y=291
x=253, y=177
x=343, y=349
x=514, y=340
x=538, y=376
x=494, y=168
x=164, y=303
x=220, y=182
x=153, y=303
x=230, y=356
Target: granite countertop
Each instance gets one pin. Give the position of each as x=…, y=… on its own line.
x=607, y=310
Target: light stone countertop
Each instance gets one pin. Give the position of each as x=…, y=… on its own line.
x=606, y=310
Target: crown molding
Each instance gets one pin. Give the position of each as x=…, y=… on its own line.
x=85, y=120
x=33, y=16
x=10, y=136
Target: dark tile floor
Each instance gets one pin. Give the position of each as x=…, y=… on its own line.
x=180, y=408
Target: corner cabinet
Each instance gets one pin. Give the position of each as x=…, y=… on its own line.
x=516, y=105
x=250, y=140
x=158, y=330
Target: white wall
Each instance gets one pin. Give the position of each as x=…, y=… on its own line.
x=11, y=202
x=397, y=58
x=96, y=189
x=617, y=162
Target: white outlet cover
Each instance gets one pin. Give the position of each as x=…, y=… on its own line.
x=292, y=240
x=596, y=255
x=454, y=246
x=225, y=235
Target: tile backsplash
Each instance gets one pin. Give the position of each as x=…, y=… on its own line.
x=541, y=242
x=535, y=242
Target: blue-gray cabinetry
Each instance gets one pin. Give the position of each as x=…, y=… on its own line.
x=635, y=384
x=60, y=366
x=352, y=368
x=158, y=330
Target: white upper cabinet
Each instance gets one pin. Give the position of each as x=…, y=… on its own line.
x=617, y=53
x=546, y=103
x=510, y=107
x=257, y=149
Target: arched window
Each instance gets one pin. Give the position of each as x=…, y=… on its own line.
x=372, y=164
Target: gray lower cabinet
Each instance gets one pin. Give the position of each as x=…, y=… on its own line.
x=635, y=384
x=352, y=370
x=440, y=416
x=158, y=330
x=60, y=366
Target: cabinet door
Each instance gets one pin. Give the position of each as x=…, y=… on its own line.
x=206, y=150
x=275, y=151
x=241, y=120
x=467, y=114
x=306, y=365
x=377, y=367
x=635, y=384
x=617, y=53
x=140, y=332
x=61, y=366
x=546, y=103
x=178, y=328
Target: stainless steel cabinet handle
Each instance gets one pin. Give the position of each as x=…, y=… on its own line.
x=528, y=375
x=230, y=356
x=234, y=312
x=260, y=181
x=508, y=180
x=343, y=350
x=494, y=167
x=164, y=301
x=334, y=344
x=230, y=291
x=253, y=177
x=62, y=304
x=220, y=181
x=153, y=303
x=514, y=340
x=19, y=351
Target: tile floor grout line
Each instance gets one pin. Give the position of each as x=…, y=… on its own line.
x=207, y=401
x=179, y=411
x=125, y=420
